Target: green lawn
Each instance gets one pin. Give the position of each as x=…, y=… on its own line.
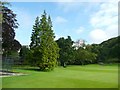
x=88, y=76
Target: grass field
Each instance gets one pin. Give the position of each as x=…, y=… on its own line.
x=88, y=76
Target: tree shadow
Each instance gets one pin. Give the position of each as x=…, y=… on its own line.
x=31, y=69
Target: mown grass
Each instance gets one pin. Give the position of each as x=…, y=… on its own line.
x=88, y=76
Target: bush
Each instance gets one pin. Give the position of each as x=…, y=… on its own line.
x=112, y=60
x=46, y=66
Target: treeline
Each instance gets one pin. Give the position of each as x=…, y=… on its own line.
x=106, y=52
x=73, y=54
x=109, y=50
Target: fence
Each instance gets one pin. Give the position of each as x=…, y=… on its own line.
x=7, y=64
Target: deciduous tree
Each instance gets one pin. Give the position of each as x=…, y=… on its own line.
x=9, y=24
x=66, y=50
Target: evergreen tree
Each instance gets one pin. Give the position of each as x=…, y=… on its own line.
x=44, y=48
x=35, y=34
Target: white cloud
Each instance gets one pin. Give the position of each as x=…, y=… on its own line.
x=112, y=31
x=104, y=22
x=80, y=30
x=107, y=15
x=59, y=19
x=98, y=35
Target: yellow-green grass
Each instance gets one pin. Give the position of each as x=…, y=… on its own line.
x=88, y=76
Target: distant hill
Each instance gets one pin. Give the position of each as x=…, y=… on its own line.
x=110, y=49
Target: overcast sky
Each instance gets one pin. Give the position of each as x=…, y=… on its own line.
x=92, y=21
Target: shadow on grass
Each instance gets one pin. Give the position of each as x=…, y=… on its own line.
x=29, y=68
x=34, y=69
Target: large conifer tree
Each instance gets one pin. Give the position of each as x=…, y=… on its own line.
x=44, y=49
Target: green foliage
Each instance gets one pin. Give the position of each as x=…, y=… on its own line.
x=66, y=50
x=95, y=48
x=43, y=47
x=83, y=57
x=0, y=18
x=70, y=55
x=24, y=51
x=13, y=54
x=110, y=50
x=107, y=51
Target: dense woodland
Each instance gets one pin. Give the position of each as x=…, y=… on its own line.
x=46, y=53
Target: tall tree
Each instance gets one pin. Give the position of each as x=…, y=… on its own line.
x=35, y=34
x=66, y=50
x=9, y=24
x=44, y=48
x=35, y=43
